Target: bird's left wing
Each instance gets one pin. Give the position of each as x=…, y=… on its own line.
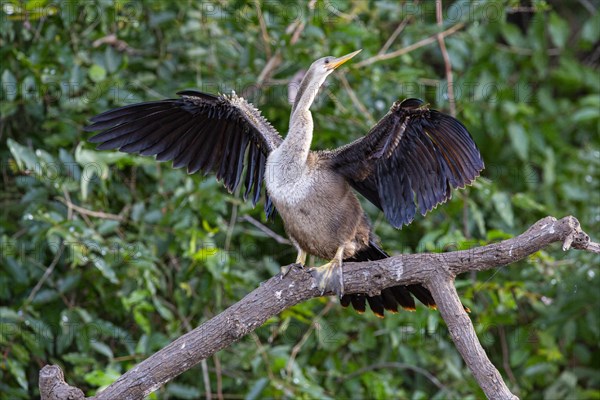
x=200, y=131
x=414, y=155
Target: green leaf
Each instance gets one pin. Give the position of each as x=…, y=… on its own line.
x=97, y=73
x=478, y=217
x=513, y=35
x=45, y=296
x=9, y=86
x=549, y=167
x=586, y=114
x=519, y=140
x=542, y=368
x=7, y=314
x=164, y=312
x=24, y=156
x=17, y=370
x=113, y=59
x=104, y=267
x=526, y=202
x=570, y=331
x=591, y=29
x=559, y=30
x=183, y=391
x=102, y=349
x=100, y=378
x=502, y=204
x=142, y=320
x=256, y=389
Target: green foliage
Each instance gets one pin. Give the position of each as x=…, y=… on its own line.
x=106, y=257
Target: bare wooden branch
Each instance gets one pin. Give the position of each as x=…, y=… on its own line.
x=118, y=44
x=85, y=211
x=278, y=238
x=412, y=47
x=53, y=385
x=437, y=271
x=446, y=57
x=464, y=337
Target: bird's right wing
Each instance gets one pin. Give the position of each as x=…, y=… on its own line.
x=200, y=131
x=413, y=156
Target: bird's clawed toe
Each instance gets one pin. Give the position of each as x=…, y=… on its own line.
x=285, y=269
x=329, y=278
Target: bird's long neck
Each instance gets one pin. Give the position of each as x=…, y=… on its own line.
x=297, y=142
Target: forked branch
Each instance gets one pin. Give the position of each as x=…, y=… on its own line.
x=436, y=270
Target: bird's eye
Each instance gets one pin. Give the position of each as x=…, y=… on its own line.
x=326, y=61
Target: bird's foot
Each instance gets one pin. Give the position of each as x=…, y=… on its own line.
x=300, y=261
x=329, y=277
x=285, y=269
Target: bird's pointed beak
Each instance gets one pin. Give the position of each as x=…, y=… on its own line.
x=340, y=60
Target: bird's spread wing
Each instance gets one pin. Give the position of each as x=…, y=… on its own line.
x=414, y=155
x=200, y=131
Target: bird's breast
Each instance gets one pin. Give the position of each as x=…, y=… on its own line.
x=319, y=211
x=288, y=182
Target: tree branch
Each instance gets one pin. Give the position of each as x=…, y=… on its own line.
x=463, y=335
x=53, y=385
x=437, y=271
x=446, y=57
x=412, y=47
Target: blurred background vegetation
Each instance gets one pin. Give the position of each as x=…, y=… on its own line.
x=105, y=257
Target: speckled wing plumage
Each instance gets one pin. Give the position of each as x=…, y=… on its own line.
x=413, y=156
x=200, y=131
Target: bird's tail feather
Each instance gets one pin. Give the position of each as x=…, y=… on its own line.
x=390, y=298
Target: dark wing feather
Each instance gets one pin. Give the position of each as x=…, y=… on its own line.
x=199, y=131
x=413, y=156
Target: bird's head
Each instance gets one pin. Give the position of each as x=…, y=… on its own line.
x=316, y=75
x=321, y=68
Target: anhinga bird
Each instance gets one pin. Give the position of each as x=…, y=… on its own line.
x=414, y=155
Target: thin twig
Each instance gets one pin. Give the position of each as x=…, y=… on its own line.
x=85, y=211
x=232, y=221
x=412, y=47
x=206, y=379
x=506, y=356
x=118, y=44
x=300, y=25
x=355, y=100
x=203, y=363
x=396, y=365
x=297, y=32
x=263, y=29
x=394, y=35
x=275, y=60
x=46, y=275
x=269, y=68
x=70, y=209
x=447, y=63
x=219, y=374
x=278, y=238
x=296, y=349
x=263, y=353
x=588, y=6
x=338, y=104
x=69, y=204
x=523, y=51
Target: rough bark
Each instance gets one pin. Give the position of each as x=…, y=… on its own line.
x=463, y=335
x=437, y=271
x=54, y=387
